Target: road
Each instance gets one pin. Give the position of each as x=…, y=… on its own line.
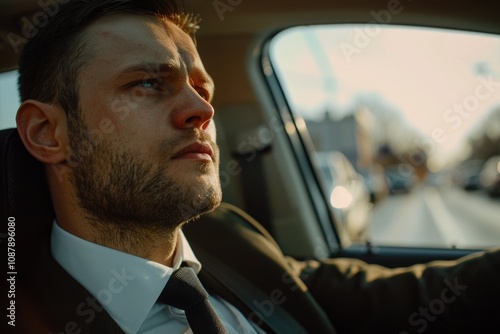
x=437, y=217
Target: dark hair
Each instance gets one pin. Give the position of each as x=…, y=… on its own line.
x=50, y=61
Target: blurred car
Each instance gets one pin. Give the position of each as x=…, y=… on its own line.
x=440, y=179
x=347, y=193
x=375, y=182
x=469, y=172
x=490, y=176
x=399, y=179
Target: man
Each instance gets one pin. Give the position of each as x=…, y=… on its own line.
x=116, y=105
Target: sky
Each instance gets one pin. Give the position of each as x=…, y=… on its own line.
x=9, y=99
x=441, y=82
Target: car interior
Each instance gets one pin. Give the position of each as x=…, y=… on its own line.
x=267, y=165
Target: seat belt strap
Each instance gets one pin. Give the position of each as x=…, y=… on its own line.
x=279, y=321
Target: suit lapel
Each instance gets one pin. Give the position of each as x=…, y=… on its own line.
x=59, y=303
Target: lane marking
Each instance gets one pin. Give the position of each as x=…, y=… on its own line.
x=398, y=218
x=445, y=222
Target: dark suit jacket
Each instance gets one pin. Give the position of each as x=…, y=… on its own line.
x=49, y=300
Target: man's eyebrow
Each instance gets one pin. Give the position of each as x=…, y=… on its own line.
x=152, y=68
x=171, y=67
x=206, y=80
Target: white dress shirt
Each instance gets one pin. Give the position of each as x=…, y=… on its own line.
x=128, y=286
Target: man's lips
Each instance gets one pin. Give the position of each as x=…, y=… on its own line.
x=196, y=150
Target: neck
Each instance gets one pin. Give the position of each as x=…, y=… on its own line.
x=154, y=245
x=157, y=246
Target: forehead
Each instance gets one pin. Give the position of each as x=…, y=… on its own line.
x=124, y=39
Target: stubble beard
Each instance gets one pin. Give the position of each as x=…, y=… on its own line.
x=126, y=197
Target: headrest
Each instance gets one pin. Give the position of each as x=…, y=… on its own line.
x=24, y=191
x=24, y=197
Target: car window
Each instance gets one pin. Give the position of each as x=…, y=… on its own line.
x=416, y=112
x=9, y=99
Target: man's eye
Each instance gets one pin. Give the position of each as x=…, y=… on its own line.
x=149, y=83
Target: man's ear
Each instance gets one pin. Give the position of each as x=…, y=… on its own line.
x=42, y=128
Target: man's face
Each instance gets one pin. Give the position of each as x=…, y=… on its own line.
x=144, y=146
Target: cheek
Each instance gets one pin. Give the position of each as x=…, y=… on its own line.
x=97, y=111
x=118, y=118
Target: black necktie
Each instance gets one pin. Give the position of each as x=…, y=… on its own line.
x=184, y=291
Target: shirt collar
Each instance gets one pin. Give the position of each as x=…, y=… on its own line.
x=115, y=278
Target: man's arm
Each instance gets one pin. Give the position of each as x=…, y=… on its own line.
x=460, y=296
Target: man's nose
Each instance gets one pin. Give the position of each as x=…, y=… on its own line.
x=192, y=111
